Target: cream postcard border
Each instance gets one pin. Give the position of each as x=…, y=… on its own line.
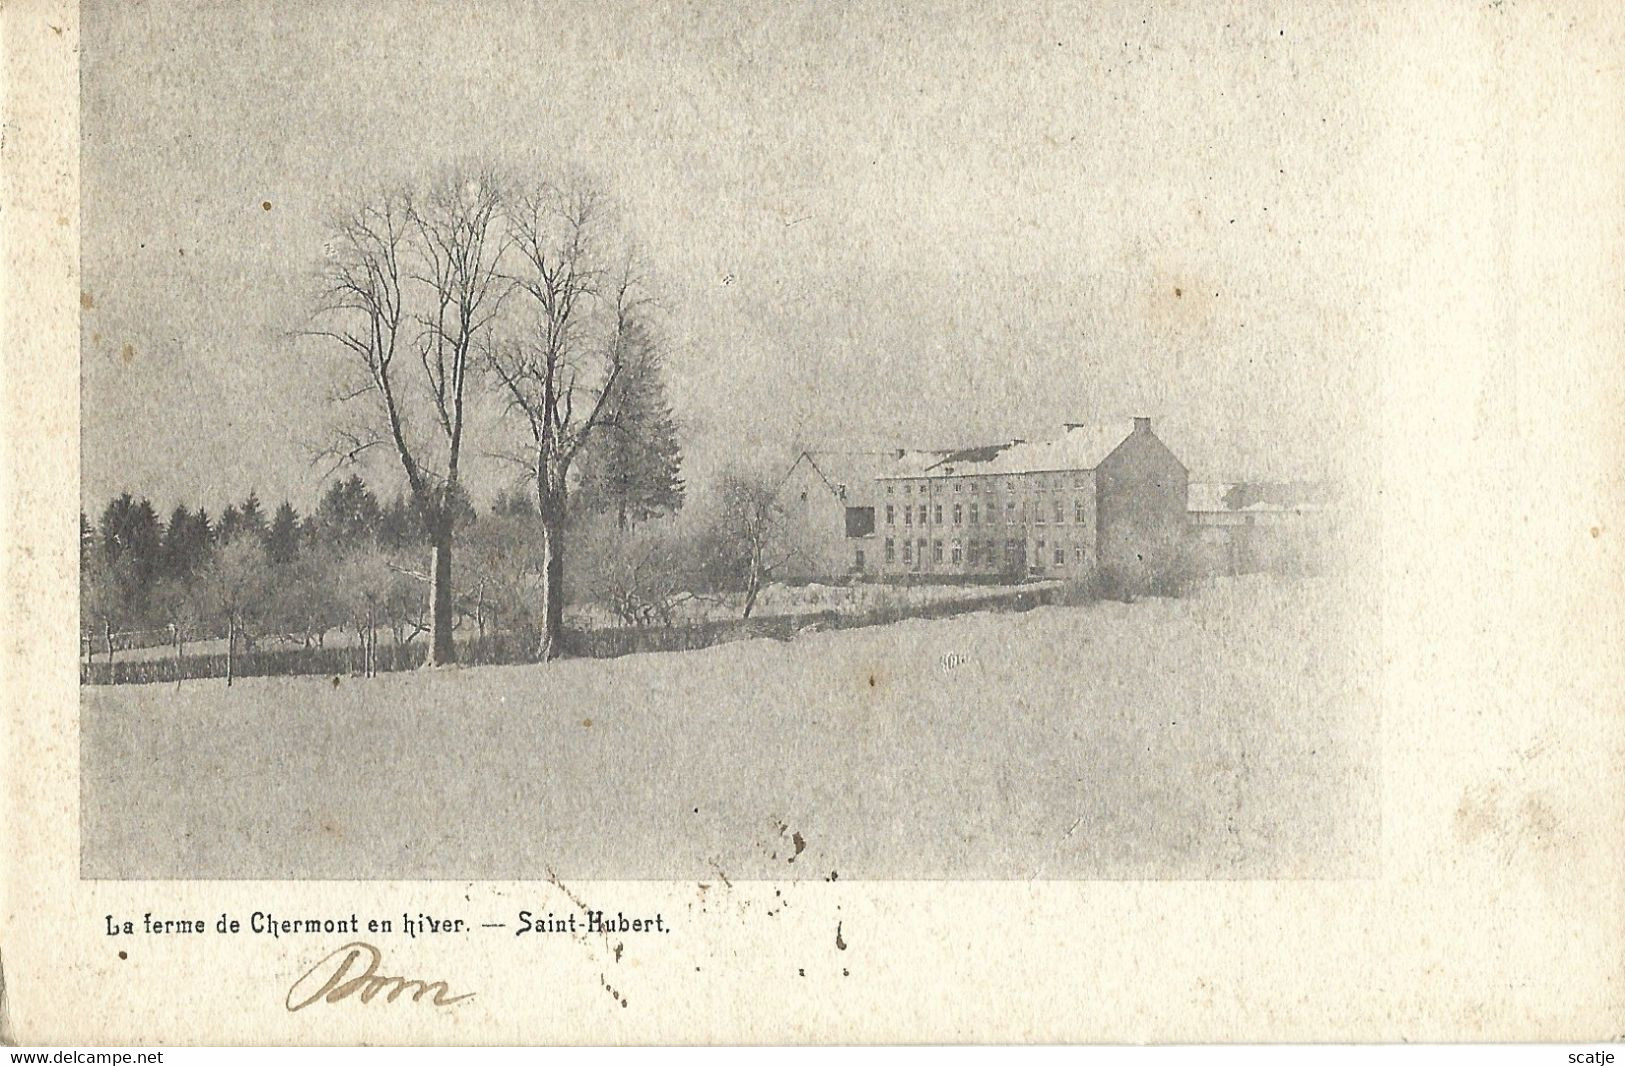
x=1497, y=911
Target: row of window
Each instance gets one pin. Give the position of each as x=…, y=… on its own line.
x=981, y=553
x=991, y=485
x=1014, y=512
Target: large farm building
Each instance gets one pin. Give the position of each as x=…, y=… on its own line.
x=1091, y=496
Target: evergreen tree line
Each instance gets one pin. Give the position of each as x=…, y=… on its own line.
x=356, y=561
x=131, y=540
x=354, y=566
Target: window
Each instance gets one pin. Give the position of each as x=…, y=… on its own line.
x=1077, y=512
x=936, y=551
x=973, y=511
x=908, y=515
x=922, y=514
x=957, y=555
x=958, y=485
x=919, y=552
x=891, y=514
x=860, y=521
x=803, y=495
x=1060, y=512
x=840, y=490
x=1038, y=511
x=908, y=551
x=889, y=489
x=1010, y=553
x=1038, y=557
x=1060, y=556
x=972, y=552
x=1010, y=511
x=1077, y=554
x=1078, y=480
x=908, y=486
x=891, y=550
x=936, y=514
x=958, y=513
x=857, y=559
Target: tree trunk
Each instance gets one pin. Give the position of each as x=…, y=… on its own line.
x=231, y=649
x=180, y=656
x=107, y=635
x=442, y=651
x=753, y=583
x=551, y=645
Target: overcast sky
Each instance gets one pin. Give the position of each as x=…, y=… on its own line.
x=869, y=225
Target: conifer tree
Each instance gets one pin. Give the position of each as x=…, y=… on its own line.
x=347, y=515
x=282, y=540
x=231, y=524
x=253, y=516
x=631, y=468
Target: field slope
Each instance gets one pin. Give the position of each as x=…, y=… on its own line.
x=1229, y=734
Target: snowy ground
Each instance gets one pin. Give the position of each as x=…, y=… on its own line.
x=1230, y=734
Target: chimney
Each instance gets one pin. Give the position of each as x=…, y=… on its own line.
x=1142, y=424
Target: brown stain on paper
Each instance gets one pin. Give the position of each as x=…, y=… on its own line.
x=1513, y=822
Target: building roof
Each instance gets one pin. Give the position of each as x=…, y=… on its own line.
x=849, y=468
x=913, y=462
x=1077, y=447
x=1257, y=497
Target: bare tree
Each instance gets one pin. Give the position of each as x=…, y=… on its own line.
x=558, y=370
x=749, y=539
x=102, y=598
x=235, y=591
x=642, y=576
x=179, y=604
x=411, y=285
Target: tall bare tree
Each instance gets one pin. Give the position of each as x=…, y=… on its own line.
x=411, y=285
x=572, y=343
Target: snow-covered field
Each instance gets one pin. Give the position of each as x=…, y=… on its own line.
x=1230, y=734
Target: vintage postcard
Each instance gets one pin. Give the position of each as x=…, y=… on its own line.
x=800, y=522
